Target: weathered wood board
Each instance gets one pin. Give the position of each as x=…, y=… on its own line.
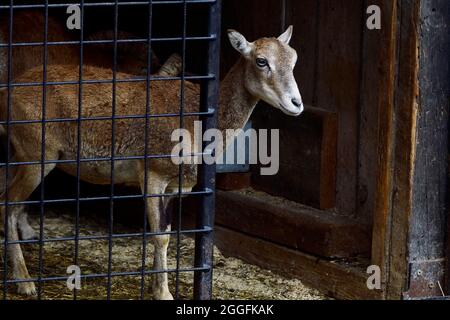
x=307, y=157
x=294, y=226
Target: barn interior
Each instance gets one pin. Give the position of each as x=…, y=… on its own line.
x=320, y=204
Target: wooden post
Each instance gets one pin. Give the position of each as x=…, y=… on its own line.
x=427, y=231
x=412, y=202
x=403, y=147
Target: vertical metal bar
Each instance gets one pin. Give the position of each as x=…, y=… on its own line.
x=80, y=113
x=204, y=242
x=43, y=132
x=146, y=151
x=180, y=168
x=113, y=147
x=8, y=149
x=283, y=17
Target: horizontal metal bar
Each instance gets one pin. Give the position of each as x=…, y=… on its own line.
x=58, y=120
x=106, y=159
x=106, y=4
x=107, y=41
x=112, y=274
x=107, y=81
x=114, y=236
x=105, y=198
x=106, y=118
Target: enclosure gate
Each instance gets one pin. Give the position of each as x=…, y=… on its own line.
x=205, y=189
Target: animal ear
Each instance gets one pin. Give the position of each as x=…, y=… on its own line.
x=239, y=42
x=287, y=35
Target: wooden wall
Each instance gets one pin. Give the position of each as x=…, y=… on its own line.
x=389, y=90
x=321, y=149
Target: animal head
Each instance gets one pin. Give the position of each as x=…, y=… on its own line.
x=269, y=70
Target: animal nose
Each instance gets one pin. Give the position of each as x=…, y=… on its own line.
x=296, y=103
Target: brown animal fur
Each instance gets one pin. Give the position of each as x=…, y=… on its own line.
x=132, y=58
x=236, y=105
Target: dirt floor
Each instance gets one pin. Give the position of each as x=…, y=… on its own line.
x=233, y=279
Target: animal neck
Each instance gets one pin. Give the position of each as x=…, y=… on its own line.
x=236, y=104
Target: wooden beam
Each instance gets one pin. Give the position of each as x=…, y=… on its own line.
x=430, y=193
x=376, y=130
x=376, y=116
x=288, y=224
x=406, y=93
x=331, y=278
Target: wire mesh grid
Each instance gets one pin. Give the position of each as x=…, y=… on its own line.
x=11, y=203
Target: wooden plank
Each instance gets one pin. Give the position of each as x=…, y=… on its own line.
x=328, y=163
x=308, y=157
x=431, y=161
x=288, y=224
x=339, y=60
x=376, y=130
x=406, y=104
x=377, y=98
x=333, y=279
x=233, y=181
x=303, y=16
x=427, y=233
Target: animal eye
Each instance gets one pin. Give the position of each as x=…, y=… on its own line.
x=261, y=62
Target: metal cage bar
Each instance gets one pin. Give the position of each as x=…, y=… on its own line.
x=8, y=149
x=207, y=173
x=203, y=230
x=146, y=165
x=43, y=153
x=80, y=113
x=180, y=168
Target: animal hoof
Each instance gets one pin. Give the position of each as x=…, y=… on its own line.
x=27, y=288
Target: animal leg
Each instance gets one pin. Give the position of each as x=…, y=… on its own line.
x=26, y=180
x=15, y=254
x=26, y=231
x=158, y=223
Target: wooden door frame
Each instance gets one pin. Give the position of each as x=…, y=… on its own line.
x=399, y=212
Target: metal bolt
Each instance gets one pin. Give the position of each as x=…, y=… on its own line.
x=431, y=285
x=419, y=272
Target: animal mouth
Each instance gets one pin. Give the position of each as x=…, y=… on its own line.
x=290, y=113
